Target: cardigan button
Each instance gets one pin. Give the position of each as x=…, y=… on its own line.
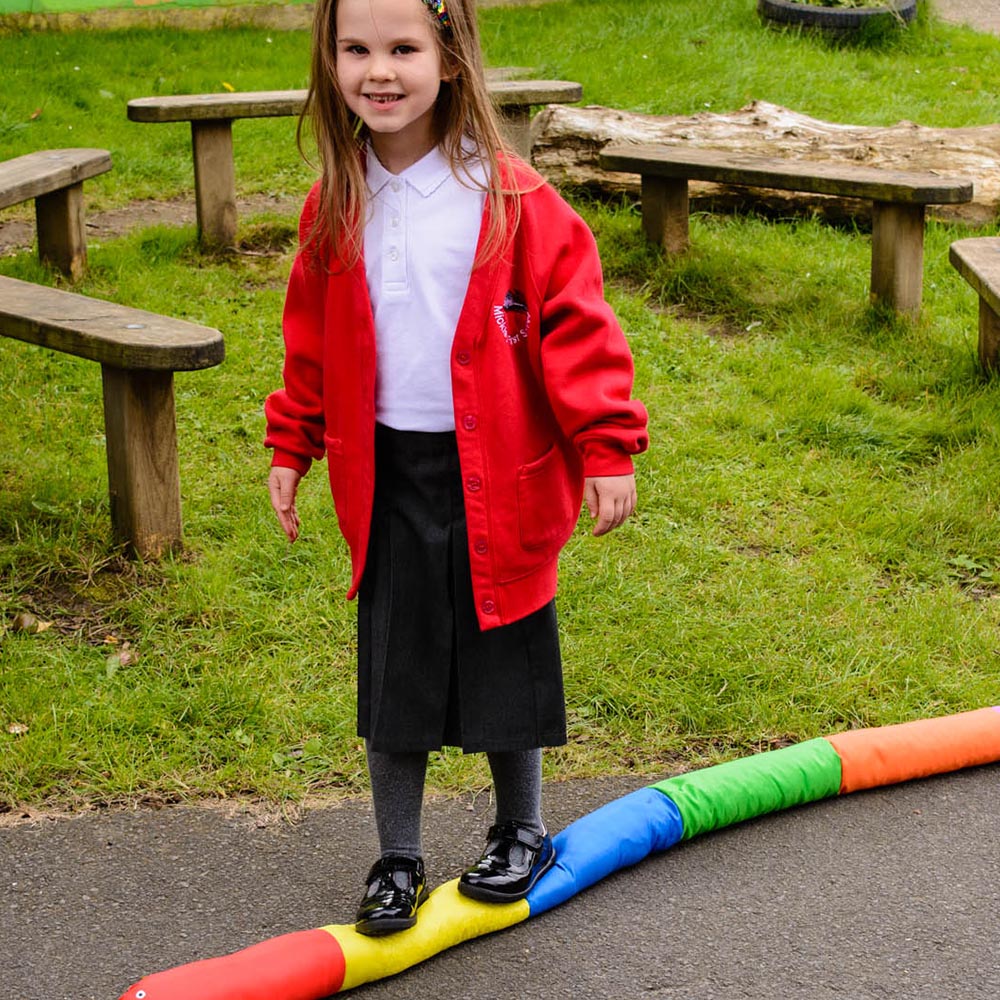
x=474, y=484
x=469, y=422
x=480, y=547
x=463, y=357
x=488, y=607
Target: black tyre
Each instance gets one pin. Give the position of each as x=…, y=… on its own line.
x=835, y=19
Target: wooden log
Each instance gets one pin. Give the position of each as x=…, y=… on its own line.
x=989, y=338
x=138, y=352
x=977, y=260
x=214, y=181
x=26, y=177
x=665, y=212
x=899, y=199
x=898, y=256
x=567, y=141
x=514, y=99
x=213, y=107
x=54, y=179
x=62, y=236
x=105, y=332
x=212, y=116
x=144, y=484
x=737, y=167
x=506, y=89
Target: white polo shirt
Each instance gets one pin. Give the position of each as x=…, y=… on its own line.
x=420, y=243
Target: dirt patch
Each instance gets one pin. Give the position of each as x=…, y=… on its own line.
x=17, y=229
x=68, y=611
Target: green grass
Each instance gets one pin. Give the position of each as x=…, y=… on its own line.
x=676, y=57
x=817, y=544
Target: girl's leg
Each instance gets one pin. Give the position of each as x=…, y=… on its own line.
x=396, y=884
x=398, y=795
x=518, y=850
x=517, y=780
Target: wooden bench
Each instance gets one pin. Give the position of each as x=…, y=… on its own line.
x=54, y=178
x=212, y=116
x=138, y=352
x=978, y=261
x=898, y=202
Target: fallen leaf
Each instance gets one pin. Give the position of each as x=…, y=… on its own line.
x=17, y=729
x=228, y=86
x=25, y=621
x=37, y=113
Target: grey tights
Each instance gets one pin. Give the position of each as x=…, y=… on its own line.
x=398, y=792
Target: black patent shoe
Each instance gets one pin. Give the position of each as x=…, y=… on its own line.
x=514, y=860
x=396, y=889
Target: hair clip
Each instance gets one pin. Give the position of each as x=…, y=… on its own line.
x=440, y=11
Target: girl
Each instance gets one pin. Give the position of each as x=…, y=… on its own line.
x=449, y=350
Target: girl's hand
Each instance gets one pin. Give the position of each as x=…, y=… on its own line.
x=610, y=499
x=283, y=484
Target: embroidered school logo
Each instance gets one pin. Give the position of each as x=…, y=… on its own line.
x=513, y=317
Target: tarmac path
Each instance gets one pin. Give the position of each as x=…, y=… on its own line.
x=983, y=15
x=889, y=893
x=893, y=893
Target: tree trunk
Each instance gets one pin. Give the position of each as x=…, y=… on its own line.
x=566, y=142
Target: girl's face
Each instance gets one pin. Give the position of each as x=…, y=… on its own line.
x=389, y=69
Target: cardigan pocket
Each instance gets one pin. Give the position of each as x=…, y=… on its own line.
x=337, y=469
x=545, y=502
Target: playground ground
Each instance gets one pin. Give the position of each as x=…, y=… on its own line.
x=983, y=15
x=891, y=893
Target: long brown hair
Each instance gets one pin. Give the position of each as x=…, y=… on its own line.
x=464, y=119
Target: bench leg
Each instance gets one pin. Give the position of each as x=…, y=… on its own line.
x=898, y=256
x=214, y=181
x=665, y=212
x=516, y=122
x=143, y=476
x=62, y=236
x=989, y=338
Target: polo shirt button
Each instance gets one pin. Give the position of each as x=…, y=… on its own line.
x=473, y=483
x=488, y=607
x=463, y=357
x=469, y=422
x=480, y=547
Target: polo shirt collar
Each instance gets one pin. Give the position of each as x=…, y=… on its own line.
x=425, y=176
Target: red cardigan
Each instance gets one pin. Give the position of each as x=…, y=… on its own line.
x=541, y=378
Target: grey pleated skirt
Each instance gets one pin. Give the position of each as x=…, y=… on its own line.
x=427, y=675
